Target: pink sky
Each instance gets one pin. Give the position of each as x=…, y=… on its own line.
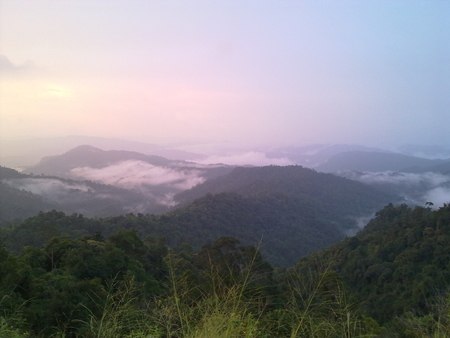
x=243, y=71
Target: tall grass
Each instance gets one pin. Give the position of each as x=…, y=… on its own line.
x=317, y=307
x=120, y=315
x=11, y=319
x=433, y=325
x=224, y=305
x=215, y=308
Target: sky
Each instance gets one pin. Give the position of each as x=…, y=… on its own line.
x=277, y=72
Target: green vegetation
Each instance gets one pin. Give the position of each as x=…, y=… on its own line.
x=186, y=274
x=390, y=280
x=291, y=211
x=125, y=287
x=399, y=262
x=50, y=192
x=287, y=228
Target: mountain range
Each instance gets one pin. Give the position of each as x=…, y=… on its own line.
x=295, y=209
x=382, y=161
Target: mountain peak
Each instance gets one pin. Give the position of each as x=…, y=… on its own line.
x=84, y=149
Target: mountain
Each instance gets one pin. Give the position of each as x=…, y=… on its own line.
x=25, y=195
x=288, y=211
x=318, y=208
x=442, y=168
x=425, y=151
x=20, y=153
x=315, y=154
x=397, y=264
x=156, y=177
x=376, y=161
x=89, y=156
x=291, y=180
x=95, y=158
x=102, y=183
x=19, y=204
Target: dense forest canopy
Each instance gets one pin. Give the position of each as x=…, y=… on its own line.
x=257, y=249
x=398, y=263
x=390, y=280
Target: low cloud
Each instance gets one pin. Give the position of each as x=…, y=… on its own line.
x=143, y=187
x=135, y=174
x=438, y=196
x=48, y=188
x=360, y=223
x=91, y=199
x=398, y=178
x=246, y=158
x=414, y=188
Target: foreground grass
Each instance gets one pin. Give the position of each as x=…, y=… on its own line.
x=229, y=305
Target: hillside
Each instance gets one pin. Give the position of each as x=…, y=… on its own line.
x=398, y=263
x=28, y=152
x=289, y=211
x=323, y=190
x=88, y=156
x=102, y=183
x=84, y=160
x=25, y=195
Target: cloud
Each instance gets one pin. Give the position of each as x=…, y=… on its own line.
x=399, y=178
x=414, y=188
x=136, y=174
x=247, y=158
x=438, y=196
x=48, y=188
x=360, y=223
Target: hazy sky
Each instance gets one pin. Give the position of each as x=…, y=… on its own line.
x=276, y=71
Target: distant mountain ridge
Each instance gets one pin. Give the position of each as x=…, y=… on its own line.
x=96, y=182
x=23, y=195
x=89, y=156
x=379, y=161
x=22, y=153
x=315, y=154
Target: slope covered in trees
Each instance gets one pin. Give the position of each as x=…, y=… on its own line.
x=284, y=232
x=326, y=191
x=123, y=286
x=289, y=211
x=17, y=203
x=400, y=262
x=26, y=195
x=86, y=156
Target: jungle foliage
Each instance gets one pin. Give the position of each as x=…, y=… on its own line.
x=390, y=280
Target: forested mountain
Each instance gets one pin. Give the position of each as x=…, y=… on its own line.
x=20, y=153
x=393, y=273
x=325, y=191
x=156, y=178
x=95, y=158
x=88, y=156
x=399, y=262
x=25, y=195
x=289, y=211
x=15, y=203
